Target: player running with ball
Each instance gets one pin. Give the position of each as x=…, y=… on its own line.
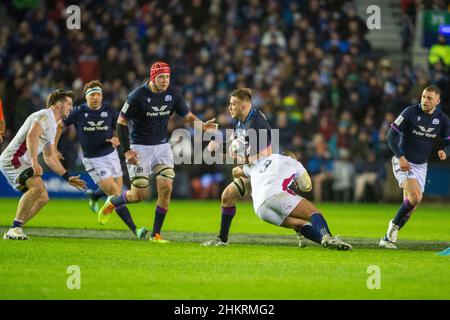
x=271, y=178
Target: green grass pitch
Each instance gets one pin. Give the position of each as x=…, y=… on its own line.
x=263, y=261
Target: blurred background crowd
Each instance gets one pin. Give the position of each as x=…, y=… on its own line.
x=312, y=72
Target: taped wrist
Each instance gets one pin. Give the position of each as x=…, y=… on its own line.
x=124, y=137
x=66, y=176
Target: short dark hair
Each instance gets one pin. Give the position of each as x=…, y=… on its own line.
x=243, y=94
x=59, y=95
x=93, y=84
x=289, y=153
x=433, y=89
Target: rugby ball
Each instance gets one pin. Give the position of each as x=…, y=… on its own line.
x=238, y=147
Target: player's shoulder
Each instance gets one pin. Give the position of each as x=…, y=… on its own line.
x=412, y=109
x=79, y=108
x=173, y=93
x=257, y=118
x=138, y=92
x=441, y=114
x=44, y=116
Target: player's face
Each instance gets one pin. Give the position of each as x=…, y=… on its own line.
x=162, y=81
x=429, y=101
x=66, y=107
x=236, y=108
x=94, y=100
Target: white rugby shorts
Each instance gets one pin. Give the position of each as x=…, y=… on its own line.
x=101, y=168
x=149, y=157
x=418, y=172
x=278, y=207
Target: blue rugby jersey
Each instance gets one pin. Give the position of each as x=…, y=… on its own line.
x=419, y=130
x=256, y=121
x=93, y=128
x=148, y=114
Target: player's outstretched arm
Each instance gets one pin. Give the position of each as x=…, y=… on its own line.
x=51, y=159
x=209, y=125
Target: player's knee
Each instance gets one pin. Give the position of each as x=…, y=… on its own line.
x=136, y=195
x=44, y=198
x=38, y=189
x=415, y=198
x=165, y=172
x=229, y=196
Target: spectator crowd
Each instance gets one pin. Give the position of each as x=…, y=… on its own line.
x=312, y=72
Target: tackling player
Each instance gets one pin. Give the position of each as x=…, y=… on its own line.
x=94, y=123
x=19, y=161
x=411, y=139
x=276, y=181
x=142, y=130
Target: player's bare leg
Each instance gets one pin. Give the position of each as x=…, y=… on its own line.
x=29, y=205
x=297, y=225
x=317, y=229
x=412, y=196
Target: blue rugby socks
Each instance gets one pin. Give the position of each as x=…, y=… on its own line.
x=404, y=213
x=125, y=215
x=309, y=232
x=97, y=194
x=319, y=224
x=17, y=224
x=119, y=200
x=160, y=214
x=225, y=223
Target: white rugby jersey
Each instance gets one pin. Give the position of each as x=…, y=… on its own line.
x=16, y=153
x=270, y=176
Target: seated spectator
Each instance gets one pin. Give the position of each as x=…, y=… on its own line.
x=368, y=174
x=343, y=174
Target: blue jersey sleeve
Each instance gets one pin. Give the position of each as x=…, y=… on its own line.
x=72, y=118
x=115, y=116
x=400, y=124
x=180, y=106
x=445, y=131
x=129, y=109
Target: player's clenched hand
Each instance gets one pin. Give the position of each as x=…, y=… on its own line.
x=404, y=164
x=132, y=157
x=37, y=169
x=210, y=125
x=213, y=145
x=76, y=182
x=114, y=141
x=442, y=155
